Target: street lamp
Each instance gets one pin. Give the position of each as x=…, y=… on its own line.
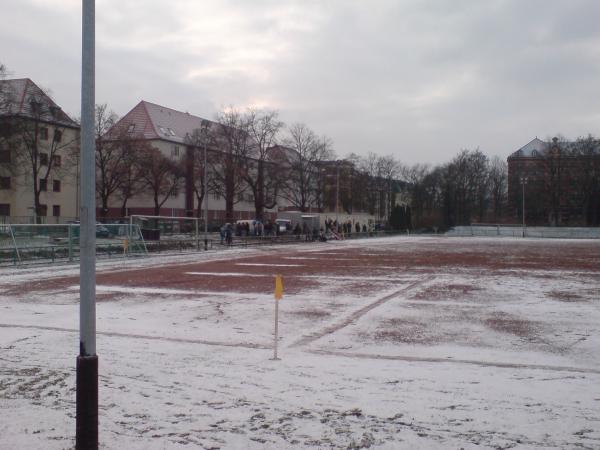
x=523, y=181
x=204, y=128
x=337, y=192
x=86, y=435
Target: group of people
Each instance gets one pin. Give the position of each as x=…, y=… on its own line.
x=333, y=230
x=344, y=227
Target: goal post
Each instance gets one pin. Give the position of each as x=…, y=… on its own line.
x=25, y=243
x=168, y=227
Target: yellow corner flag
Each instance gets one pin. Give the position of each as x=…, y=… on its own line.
x=278, y=287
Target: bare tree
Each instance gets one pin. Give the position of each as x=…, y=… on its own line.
x=200, y=140
x=369, y=166
x=6, y=99
x=498, y=185
x=388, y=170
x=232, y=137
x=585, y=174
x=478, y=176
x=110, y=157
x=160, y=175
x=263, y=165
x=309, y=151
x=420, y=198
x=553, y=160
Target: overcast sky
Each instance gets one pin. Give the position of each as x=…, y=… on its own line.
x=417, y=79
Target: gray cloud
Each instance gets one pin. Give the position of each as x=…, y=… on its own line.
x=419, y=79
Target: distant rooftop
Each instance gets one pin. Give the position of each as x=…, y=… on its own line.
x=537, y=147
x=531, y=149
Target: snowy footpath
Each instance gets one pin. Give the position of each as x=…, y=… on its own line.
x=405, y=342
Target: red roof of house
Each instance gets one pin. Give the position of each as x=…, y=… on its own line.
x=152, y=121
x=19, y=96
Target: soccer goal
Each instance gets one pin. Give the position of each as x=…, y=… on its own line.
x=183, y=232
x=29, y=243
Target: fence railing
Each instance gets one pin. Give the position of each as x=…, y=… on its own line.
x=39, y=243
x=46, y=244
x=520, y=231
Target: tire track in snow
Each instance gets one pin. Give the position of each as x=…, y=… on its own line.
x=305, y=340
x=143, y=336
x=506, y=365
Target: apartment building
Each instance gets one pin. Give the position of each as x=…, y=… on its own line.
x=39, y=156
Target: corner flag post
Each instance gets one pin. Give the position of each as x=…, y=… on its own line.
x=278, y=296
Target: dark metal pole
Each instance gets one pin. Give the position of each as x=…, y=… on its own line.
x=87, y=361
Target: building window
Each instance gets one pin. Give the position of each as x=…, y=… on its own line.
x=4, y=156
x=4, y=182
x=57, y=135
x=175, y=151
x=56, y=210
x=56, y=160
x=56, y=185
x=131, y=128
x=43, y=159
x=43, y=185
x=44, y=133
x=43, y=210
x=4, y=209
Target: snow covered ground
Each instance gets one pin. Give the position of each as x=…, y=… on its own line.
x=405, y=342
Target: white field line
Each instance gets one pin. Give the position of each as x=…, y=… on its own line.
x=269, y=265
x=318, y=277
x=229, y=274
x=301, y=258
x=142, y=290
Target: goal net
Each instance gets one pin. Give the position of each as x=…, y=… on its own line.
x=27, y=243
x=183, y=232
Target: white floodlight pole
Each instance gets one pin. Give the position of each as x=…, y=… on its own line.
x=523, y=183
x=205, y=189
x=337, y=193
x=87, y=361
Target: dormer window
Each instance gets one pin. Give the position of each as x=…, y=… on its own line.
x=131, y=128
x=171, y=132
x=36, y=107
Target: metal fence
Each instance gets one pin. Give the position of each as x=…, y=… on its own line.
x=520, y=231
x=43, y=243
x=47, y=243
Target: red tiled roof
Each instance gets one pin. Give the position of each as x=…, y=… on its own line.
x=153, y=121
x=17, y=96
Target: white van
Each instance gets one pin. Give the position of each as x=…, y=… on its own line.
x=283, y=226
